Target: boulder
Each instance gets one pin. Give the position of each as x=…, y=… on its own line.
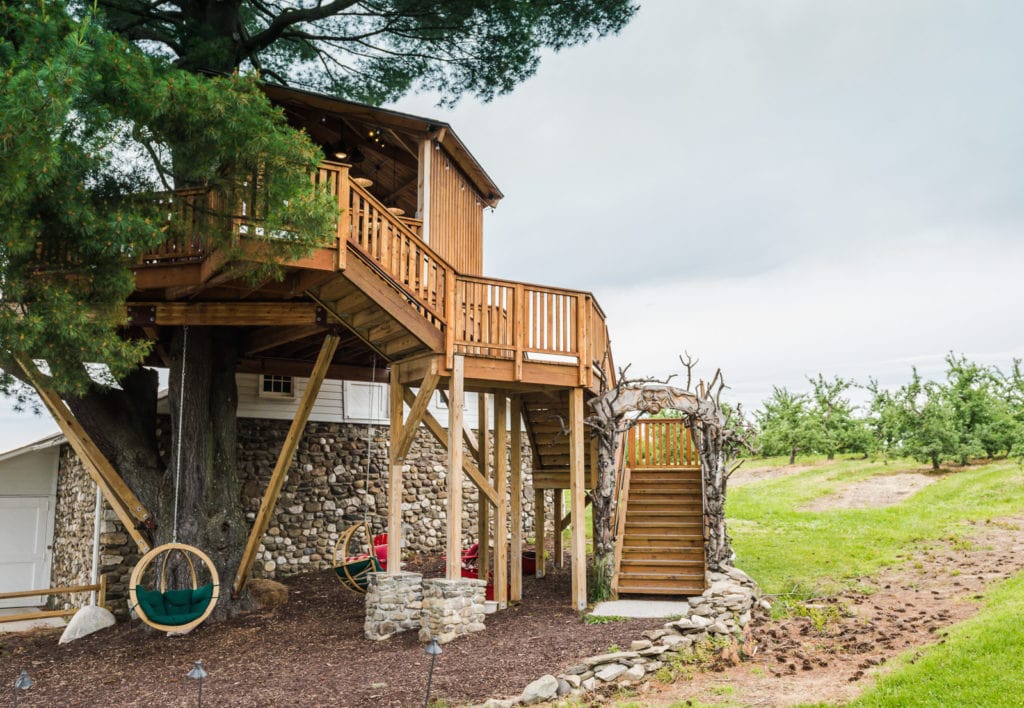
x=543, y=689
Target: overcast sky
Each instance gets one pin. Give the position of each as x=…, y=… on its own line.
x=778, y=187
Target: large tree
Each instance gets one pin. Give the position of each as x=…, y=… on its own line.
x=101, y=109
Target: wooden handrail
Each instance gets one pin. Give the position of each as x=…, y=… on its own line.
x=484, y=317
x=662, y=443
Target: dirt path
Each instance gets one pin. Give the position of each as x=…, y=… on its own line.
x=837, y=654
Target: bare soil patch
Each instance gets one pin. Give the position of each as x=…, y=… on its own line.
x=808, y=659
x=875, y=492
x=311, y=652
x=749, y=475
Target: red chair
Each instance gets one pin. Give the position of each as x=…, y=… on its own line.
x=470, y=562
x=380, y=549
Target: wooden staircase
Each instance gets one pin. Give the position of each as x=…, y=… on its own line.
x=660, y=544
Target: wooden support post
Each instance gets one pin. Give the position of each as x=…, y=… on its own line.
x=556, y=549
x=538, y=531
x=130, y=511
x=483, y=463
x=516, y=552
x=418, y=408
x=453, y=565
x=284, y=460
x=501, y=513
x=577, y=494
x=592, y=483
x=395, y=483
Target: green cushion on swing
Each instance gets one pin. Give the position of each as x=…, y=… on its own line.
x=174, y=607
x=359, y=570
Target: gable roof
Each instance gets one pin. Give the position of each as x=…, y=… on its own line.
x=418, y=126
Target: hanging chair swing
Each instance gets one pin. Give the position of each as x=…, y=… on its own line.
x=175, y=610
x=352, y=566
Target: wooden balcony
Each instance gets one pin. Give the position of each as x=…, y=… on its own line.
x=515, y=326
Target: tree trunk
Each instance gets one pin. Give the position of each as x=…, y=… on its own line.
x=718, y=545
x=205, y=479
x=831, y=456
x=792, y=456
x=124, y=425
x=935, y=462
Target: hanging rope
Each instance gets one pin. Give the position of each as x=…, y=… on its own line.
x=181, y=418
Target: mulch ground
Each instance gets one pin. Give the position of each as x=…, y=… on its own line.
x=312, y=652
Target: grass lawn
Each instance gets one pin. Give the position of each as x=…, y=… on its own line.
x=798, y=554
x=804, y=553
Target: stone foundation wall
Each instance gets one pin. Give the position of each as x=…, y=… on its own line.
x=72, y=540
x=335, y=479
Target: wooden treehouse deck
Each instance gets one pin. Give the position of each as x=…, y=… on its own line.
x=391, y=291
x=378, y=302
x=660, y=539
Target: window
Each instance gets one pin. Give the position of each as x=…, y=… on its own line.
x=273, y=386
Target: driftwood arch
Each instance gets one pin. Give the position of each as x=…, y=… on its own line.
x=719, y=434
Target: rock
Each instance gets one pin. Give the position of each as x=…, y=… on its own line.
x=589, y=684
x=655, y=651
x=640, y=644
x=543, y=689
x=610, y=672
x=635, y=673
x=718, y=628
x=677, y=642
x=655, y=634
x=563, y=687
x=577, y=669
x=89, y=619
x=267, y=593
x=608, y=658
x=572, y=679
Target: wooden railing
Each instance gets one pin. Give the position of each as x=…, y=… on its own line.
x=100, y=588
x=481, y=317
x=661, y=443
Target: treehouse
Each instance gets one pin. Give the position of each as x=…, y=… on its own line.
x=396, y=294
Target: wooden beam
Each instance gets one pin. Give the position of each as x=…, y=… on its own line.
x=225, y=314
x=539, y=514
x=284, y=460
x=271, y=337
x=577, y=494
x=440, y=434
x=396, y=485
x=483, y=462
x=129, y=510
x=297, y=367
x=453, y=564
x=467, y=434
x=516, y=552
x=501, y=513
x=558, y=496
x=417, y=409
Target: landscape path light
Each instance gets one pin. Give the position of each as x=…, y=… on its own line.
x=434, y=650
x=20, y=684
x=199, y=674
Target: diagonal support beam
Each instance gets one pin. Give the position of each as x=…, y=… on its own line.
x=438, y=431
x=284, y=460
x=417, y=408
x=130, y=511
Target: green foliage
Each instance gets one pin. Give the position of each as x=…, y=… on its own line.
x=602, y=619
x=90, y=129
x=785, y=424
x=371, y=51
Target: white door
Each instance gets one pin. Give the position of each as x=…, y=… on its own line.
x=24, y=556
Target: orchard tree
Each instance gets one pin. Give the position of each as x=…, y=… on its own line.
x=927, y=422
x=832, y=414
x=99, y=110
x=785, y=425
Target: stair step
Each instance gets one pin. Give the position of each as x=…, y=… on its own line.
x=662, y=540
x=660, y=569
x=634, y=514
x=662, y=553
x=686, y=590
x=667, y=523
